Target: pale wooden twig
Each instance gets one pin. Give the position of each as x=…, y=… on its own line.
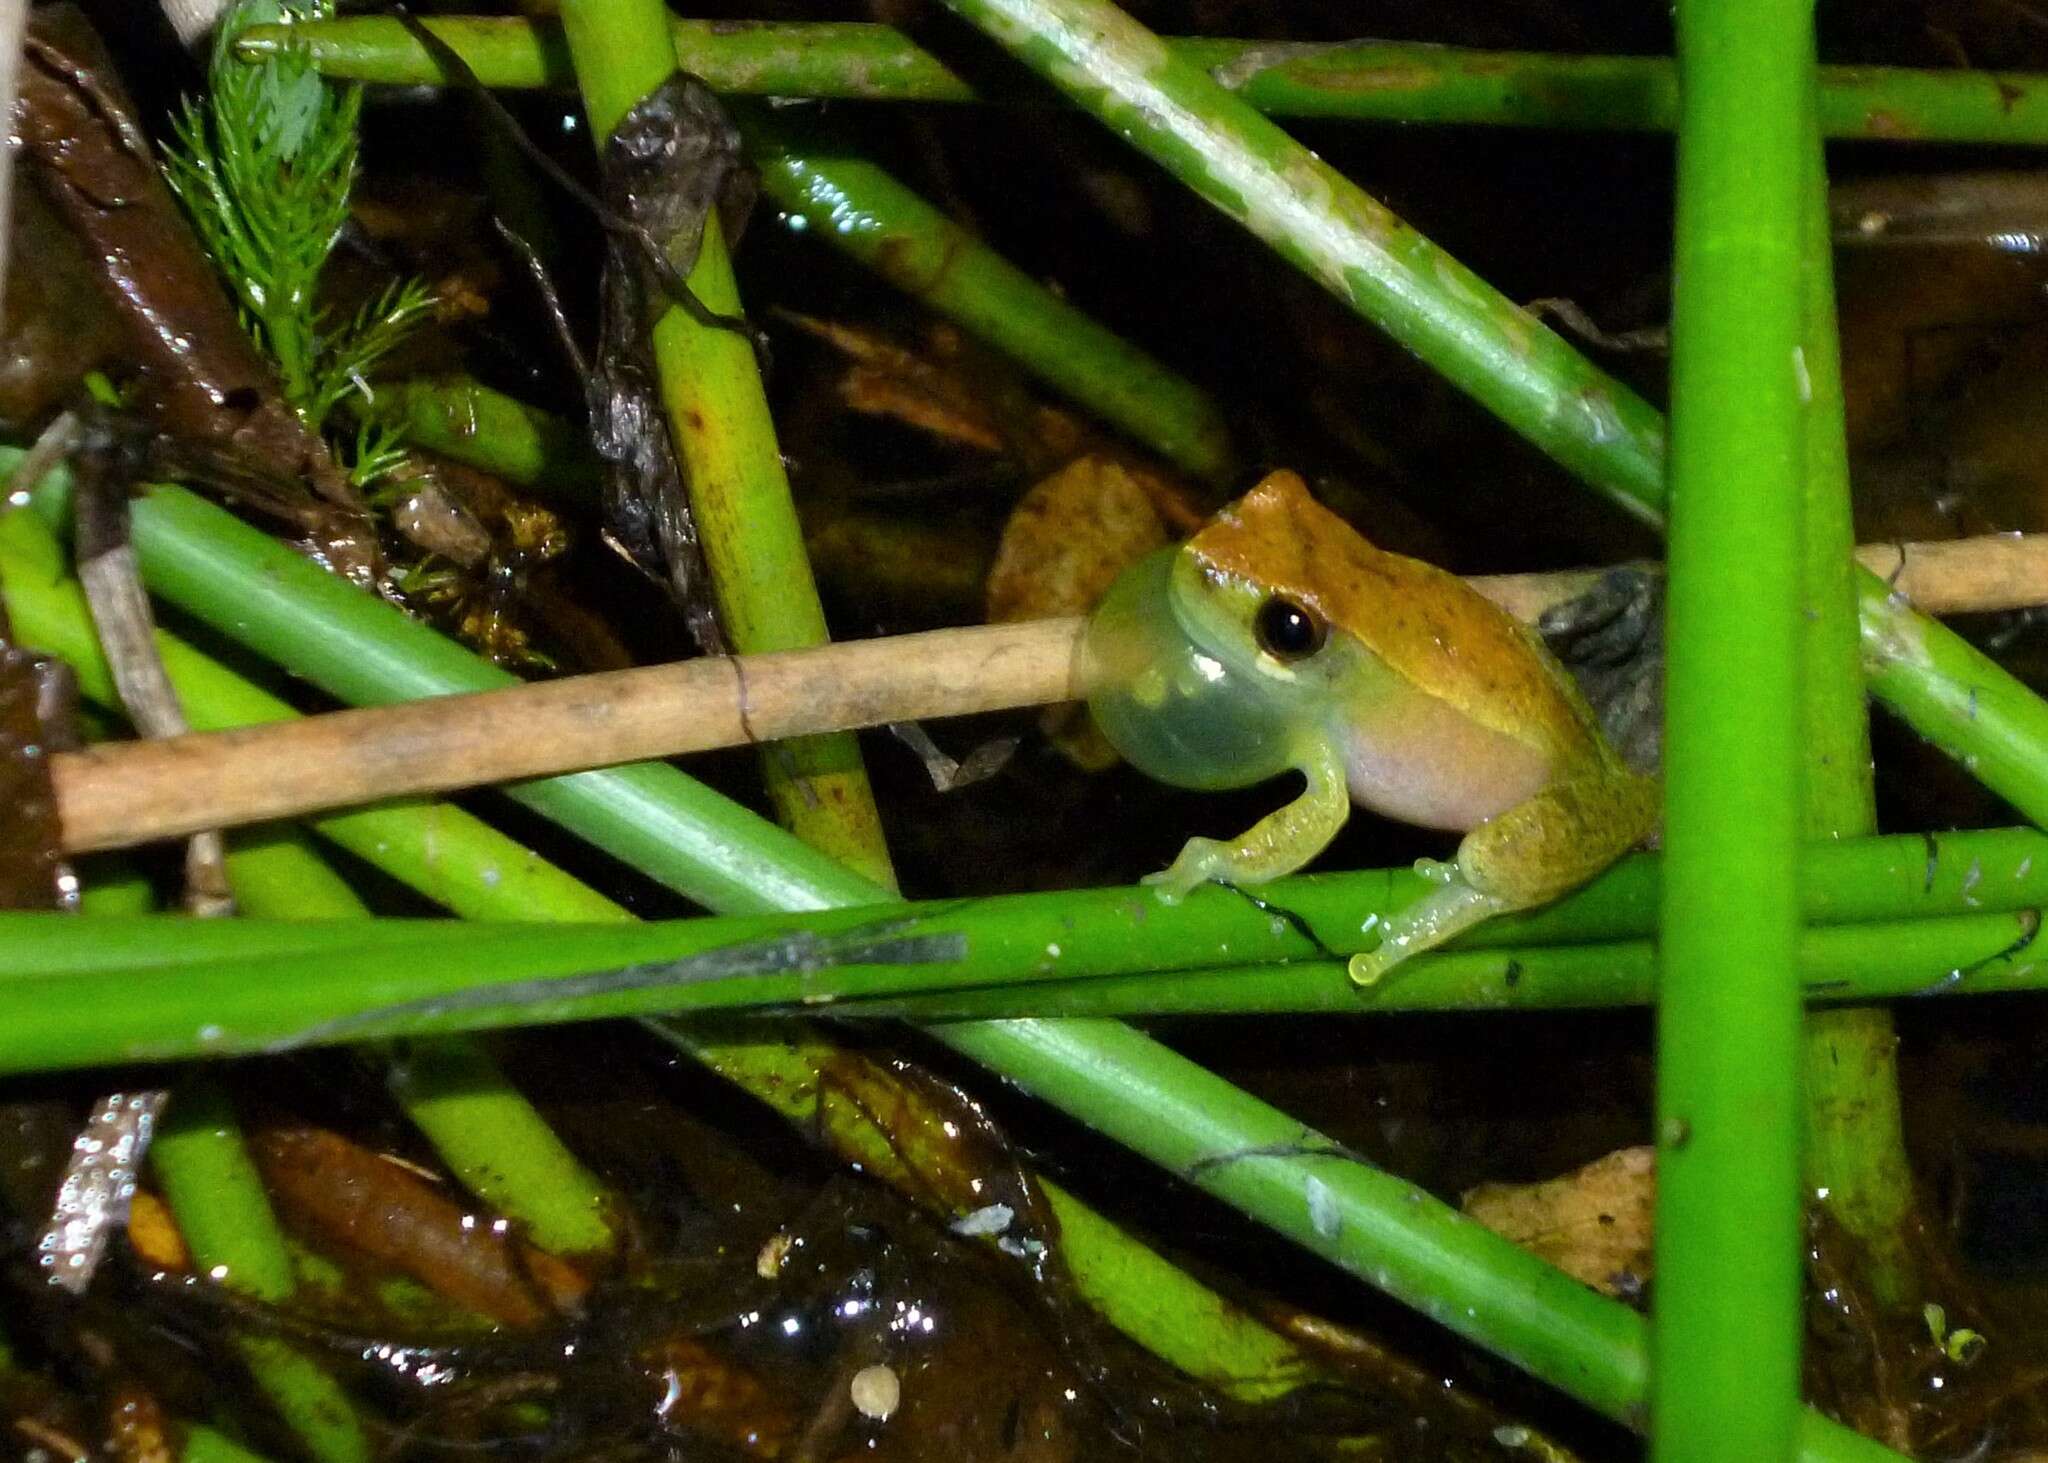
x=119, y=794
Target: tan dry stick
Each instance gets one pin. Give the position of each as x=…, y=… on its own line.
x=119, y=794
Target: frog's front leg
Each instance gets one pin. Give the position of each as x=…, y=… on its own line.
x=1277, y=844
x=1528, y=856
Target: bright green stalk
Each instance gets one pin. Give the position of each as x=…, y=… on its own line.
x=217, y=1197
x=1956, y=696
x=725, y=439
x=425, y=983
x=460, y=418
x=276, y=871
x=1726, y=1318
x=1355, y=81
x=1323, y=224
x=865, y=213
x=1855, y=1162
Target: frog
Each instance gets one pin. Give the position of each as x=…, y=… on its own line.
x=1277, y=639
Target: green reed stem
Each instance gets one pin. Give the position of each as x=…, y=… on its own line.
x=1355, y=81
x=725, y=438
x=224, y=1214
x=283, y=990
x=1726, y=1319
x=1855, y=1159
x=466, y=420
x=865, y=213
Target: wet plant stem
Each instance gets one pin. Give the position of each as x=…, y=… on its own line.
x=865, y=213
x=218, y=1199
x=277, y=987
x=1362, y=81
x=1855, y=1155
x=725, y=440
x=1727, y=1320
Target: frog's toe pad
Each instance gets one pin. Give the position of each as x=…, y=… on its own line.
x=1368, y=966
x=1200, y=860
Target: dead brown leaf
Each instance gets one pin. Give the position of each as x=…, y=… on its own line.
x=1592, y=1223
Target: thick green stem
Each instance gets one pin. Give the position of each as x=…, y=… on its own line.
x=1727, y=1317
x=725, y=438
x=1855, y=1139
x=1357, y=81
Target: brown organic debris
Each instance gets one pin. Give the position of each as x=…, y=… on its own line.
x=1065, y=542
x=383, y=1209
x=1592, y=1223
x=205, y=382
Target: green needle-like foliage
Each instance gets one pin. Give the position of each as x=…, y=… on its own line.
x=264, y=166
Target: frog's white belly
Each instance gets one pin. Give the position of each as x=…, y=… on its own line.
x=1419, y=760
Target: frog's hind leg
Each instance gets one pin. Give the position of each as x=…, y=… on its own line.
x=1277, y=844
x=1448, y=910
x=1527, y=856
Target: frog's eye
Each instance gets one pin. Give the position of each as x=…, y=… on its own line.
x=1288, y=630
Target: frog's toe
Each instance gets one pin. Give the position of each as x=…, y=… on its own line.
x=1368, y=966
x=1436, y=871
x=1199, y=862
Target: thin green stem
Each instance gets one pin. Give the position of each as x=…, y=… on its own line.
x=1855, y=1158
x=1355, y=81
x=725, y=440
x=217, y=1197
x=1125, y=931
x=1726, y=1319
x=284, y=990
x=867, y=214
x=461, y=418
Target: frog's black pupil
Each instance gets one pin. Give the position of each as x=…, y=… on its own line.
x=1287, y=630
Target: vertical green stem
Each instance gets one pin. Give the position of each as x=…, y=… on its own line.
x=725, y=438
x=1727, y=1318
x=214, y=1191
x=1855, y=1142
